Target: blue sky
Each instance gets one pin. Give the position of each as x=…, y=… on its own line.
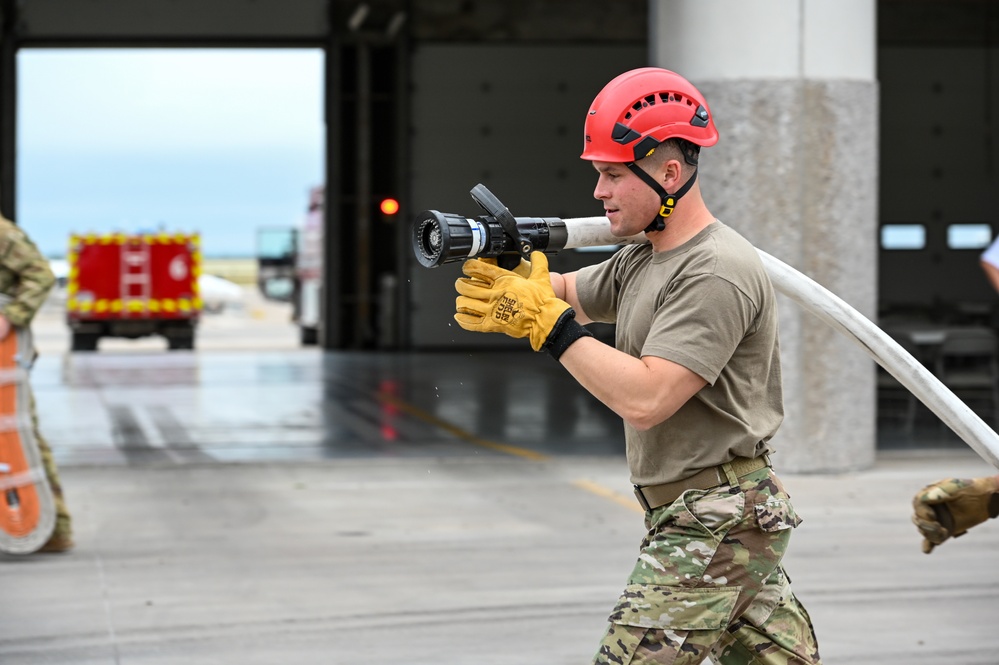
x=221, y=142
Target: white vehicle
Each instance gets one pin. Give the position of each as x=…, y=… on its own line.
x=309, y=269
x=218, y=293
x=290, y=266
x=60, y=268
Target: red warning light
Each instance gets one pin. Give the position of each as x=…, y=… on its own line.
x=389, y=206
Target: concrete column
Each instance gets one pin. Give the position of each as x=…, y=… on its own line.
x=792, y=86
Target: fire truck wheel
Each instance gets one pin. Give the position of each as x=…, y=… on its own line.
x=85, y=341
x=310, y=336
x=181, y=342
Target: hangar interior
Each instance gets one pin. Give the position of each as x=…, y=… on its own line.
x=426, y=98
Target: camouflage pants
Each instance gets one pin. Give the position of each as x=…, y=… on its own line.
x=708, y=582
x=64, y=526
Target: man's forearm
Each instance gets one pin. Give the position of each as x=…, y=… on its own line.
x=564, y=286
x=643, y=391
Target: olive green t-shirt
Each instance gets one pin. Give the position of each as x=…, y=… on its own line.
x=709, y=306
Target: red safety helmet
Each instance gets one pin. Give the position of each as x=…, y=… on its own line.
x=640, y=109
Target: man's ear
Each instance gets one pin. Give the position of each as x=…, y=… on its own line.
x=672, y=175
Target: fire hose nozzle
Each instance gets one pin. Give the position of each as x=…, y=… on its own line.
x=440, y=237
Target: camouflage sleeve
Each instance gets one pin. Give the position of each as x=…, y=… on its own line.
x=20, y=256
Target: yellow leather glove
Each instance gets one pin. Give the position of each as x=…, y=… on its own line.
x=523, y=268
x=948, y=508
x=492, y=299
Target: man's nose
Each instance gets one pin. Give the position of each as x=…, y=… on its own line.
x=599, y=192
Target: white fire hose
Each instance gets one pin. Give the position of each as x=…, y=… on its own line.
x=836, y=313
x=441, y=237
x=846, y=320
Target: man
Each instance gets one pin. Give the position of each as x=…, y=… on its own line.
x=948, y=508
x=25, y=280
x=695, y=376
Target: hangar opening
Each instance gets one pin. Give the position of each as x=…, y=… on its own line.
x=210, y=144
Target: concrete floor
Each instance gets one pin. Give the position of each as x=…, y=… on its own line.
x=279, y=505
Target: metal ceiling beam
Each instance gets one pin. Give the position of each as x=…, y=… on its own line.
x=171, y=21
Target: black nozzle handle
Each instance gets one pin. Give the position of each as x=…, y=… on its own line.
x=492, y=205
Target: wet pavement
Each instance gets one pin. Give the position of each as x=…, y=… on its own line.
x=182, y=407
x=262, y=503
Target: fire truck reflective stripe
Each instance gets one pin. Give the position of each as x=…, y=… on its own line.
x=104, y=305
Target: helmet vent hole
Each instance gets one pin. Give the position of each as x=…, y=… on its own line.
x=651, y=99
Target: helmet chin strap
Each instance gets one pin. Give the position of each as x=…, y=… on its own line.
x=667, y=201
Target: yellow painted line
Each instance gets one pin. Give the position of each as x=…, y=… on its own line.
x=628, y=502
x=431, y=419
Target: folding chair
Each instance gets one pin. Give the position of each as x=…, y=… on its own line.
x=894, y=399
x=968, y=364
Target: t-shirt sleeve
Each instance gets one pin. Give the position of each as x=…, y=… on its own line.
x=700, y=323
x=598, y=287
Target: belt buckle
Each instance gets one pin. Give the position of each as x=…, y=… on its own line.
x=642, y=501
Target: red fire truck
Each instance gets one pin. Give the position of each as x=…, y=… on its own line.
x=133, y=285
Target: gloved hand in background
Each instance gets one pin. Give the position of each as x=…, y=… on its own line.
x=948, y=508
x=492, y=299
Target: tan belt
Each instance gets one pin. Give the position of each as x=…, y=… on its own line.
x=655, y=496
